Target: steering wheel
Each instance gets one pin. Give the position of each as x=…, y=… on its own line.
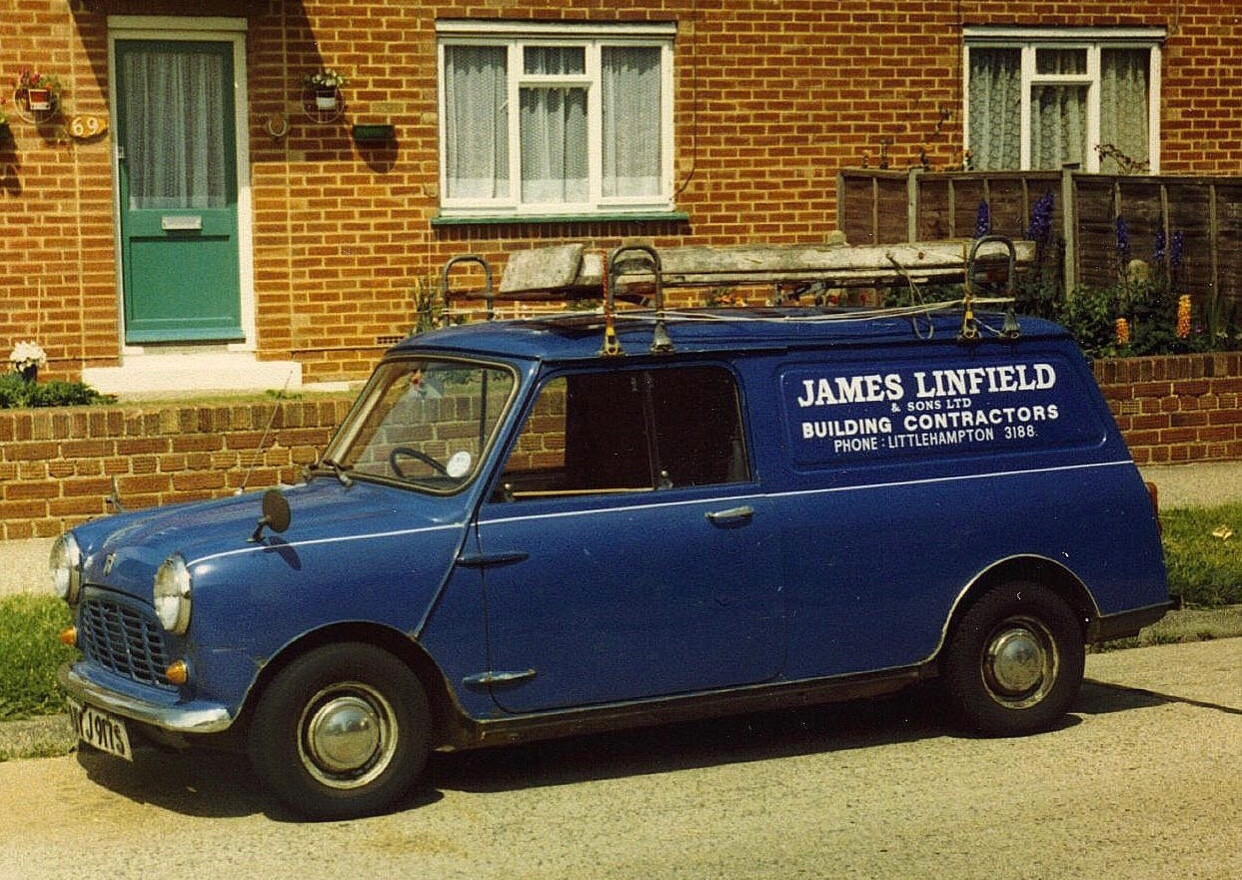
x=416, y=454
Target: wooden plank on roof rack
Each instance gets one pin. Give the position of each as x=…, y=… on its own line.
x=570, y=268
x=548, y=268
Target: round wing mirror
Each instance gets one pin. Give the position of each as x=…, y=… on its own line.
x=276, y=513
x=276, y=510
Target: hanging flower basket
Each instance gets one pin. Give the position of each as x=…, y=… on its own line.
x=325, y=89
x=40, y=91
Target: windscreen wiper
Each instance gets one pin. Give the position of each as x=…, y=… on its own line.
x=340, y=470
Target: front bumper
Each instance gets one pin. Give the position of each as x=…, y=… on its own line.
x=172, y=715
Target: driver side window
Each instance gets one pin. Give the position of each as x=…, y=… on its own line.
x=629, y=431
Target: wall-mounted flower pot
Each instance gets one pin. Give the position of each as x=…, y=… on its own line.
x=39, y=99
x=322, y=104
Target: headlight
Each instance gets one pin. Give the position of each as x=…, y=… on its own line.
x=172, y=595
x=65, y=567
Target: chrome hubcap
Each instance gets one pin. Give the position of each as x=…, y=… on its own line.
x=1020, y=664
x=348, y=735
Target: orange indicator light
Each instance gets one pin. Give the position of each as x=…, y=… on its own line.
x=178, y=672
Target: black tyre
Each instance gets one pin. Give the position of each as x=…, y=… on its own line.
x=341, y=732
x=1014, y=661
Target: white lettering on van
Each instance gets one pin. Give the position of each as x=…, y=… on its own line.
x=870, y=388
x=969, y=381
x=822, y=430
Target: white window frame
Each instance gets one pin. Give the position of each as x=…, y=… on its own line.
x=516, y=36
x=1093, y=40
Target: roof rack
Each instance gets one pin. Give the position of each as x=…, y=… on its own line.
x=639, y=274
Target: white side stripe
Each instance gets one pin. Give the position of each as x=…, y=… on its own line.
x=733, y=499
x=333, y=540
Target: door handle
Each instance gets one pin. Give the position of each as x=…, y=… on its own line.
x=733, y=514
x=490, y=560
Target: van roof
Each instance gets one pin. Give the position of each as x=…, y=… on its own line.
x=580, y=335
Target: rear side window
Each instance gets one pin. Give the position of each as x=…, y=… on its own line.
x=629, y=431
x=839, y=413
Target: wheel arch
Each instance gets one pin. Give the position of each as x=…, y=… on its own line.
x=444, y=710
x=1035, y=569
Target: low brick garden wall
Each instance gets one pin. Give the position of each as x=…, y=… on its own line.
x=1178, y=409
x=57, y=465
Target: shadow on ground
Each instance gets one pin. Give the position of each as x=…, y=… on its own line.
x=218, y=785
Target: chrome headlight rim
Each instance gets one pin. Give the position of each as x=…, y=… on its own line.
x=171, y=594
x=65, y=568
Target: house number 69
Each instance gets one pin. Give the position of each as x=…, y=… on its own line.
x=85, y=127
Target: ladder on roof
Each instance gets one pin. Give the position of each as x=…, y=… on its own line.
x=641, y=273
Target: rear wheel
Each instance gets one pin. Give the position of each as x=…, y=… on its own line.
x=341, y=732
x=1014, y=662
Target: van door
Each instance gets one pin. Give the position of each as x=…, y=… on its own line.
x=627, y=551
x=178, y=191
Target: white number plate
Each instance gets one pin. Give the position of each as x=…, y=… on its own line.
x=99, y=729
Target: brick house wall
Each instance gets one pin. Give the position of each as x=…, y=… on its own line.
x=773, y=97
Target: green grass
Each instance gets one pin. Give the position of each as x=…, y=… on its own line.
x=1203, y=552
x=30, y=654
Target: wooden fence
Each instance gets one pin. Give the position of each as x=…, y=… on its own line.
x=1202, y=214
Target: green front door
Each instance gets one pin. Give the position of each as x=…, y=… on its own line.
x=177, y=159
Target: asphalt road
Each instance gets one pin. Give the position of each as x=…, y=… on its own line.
x=1144, y=780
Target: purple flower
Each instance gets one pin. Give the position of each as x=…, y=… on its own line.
x=1040, y=230
x=1123, y=244
x=1157, y=257
x=1176, y=250
x=983, y=220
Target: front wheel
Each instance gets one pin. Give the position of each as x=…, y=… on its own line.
x=341, y=732
x=1014, y=662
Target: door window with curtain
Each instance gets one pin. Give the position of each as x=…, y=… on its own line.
x=1036, y=104
x=560, y=119
x=177, y=111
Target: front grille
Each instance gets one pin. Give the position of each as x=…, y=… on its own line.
x=126, y=640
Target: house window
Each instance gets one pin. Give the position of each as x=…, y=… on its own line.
x=1040, y=100
x=555, y=119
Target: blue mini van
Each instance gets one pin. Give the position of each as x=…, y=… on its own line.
x=566, y=524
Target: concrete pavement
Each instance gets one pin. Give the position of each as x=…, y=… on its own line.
x=23, y=564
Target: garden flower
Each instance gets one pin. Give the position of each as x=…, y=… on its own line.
x=26, y=355
x=983, y=220
x=326, y=79
x=1123, y=244
x=1040, y=230
x=1183, y=316
x=1123, y=331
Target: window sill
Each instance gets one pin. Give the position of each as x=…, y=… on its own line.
x=511, y=219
